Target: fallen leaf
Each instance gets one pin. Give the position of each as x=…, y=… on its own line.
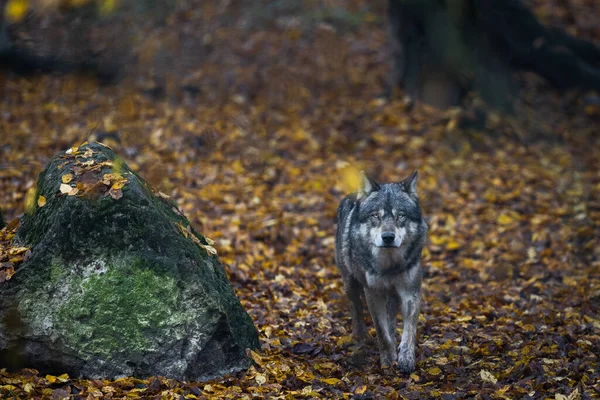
x=452, y=245
x=68, y=189
x=260, y=379
x=15, y=10
x=67, y=178
x=487, y=376
x=360, y=389
x=256, y=357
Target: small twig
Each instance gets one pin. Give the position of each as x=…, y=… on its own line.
x=91, y=131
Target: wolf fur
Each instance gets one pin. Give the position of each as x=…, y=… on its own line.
x=380, y=236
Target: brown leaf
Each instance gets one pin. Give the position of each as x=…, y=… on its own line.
x=115, y=194
x=6, y=272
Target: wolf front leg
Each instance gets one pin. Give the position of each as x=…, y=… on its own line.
x=353, y=291
x=411, y=305
x=378, y=308
x=392, y=310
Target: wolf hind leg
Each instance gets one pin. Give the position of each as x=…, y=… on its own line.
x=353, y=291
x=411, y=304
x=377, y=303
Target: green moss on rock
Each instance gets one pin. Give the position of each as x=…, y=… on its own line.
x=91, y=306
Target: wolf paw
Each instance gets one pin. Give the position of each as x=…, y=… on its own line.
x=386, y=361
x=406, y=362
x=366, y=341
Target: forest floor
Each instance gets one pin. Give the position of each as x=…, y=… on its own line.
x=260, y=141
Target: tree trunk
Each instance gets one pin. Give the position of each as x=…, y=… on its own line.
x=45, y=52
x=444, y=48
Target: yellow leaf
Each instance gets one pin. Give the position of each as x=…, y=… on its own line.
x=256, y=357
x=185, y=231
x=331, y=381
x=452, y=245
x=464, y=319
x=15, y=10
x=505, y=219
x=487, y=376
x=17, y=250
x=67, y=178
x=107, y=6
x=63, y=378
x=434, y=371
x=570, y=281
x=51, y=378
x=451, y=126
x=41, y=201
x=119, y=184
x=350, y=177
x=361, y=389
x=72, y=150
x=415, y=377
x=237, y=167
x=28, y=387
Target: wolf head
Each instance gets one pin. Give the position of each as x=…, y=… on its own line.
x=388, y=213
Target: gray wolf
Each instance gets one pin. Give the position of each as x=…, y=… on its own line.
x=380, y=236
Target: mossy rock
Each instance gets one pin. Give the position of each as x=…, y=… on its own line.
x=118, y=282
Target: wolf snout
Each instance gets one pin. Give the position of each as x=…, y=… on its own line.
x=388, y=238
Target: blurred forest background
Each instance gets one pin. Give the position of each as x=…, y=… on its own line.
x=255, y=116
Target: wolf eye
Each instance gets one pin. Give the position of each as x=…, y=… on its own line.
x=374, y=216
x=400, y=217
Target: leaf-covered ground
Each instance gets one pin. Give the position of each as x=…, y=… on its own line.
x=259, y=138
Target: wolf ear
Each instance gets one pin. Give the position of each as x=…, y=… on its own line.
x=366, y=186
x=410, y=185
